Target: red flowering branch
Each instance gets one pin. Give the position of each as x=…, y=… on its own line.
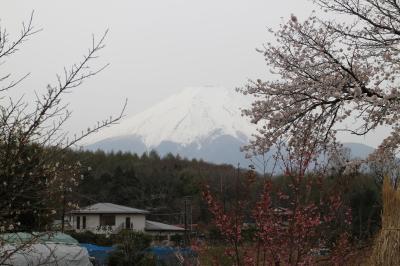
x=291, y=227
x=229, y=224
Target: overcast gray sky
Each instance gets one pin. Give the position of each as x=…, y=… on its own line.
x=155, y=48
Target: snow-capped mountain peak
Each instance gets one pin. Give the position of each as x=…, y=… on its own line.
x=191, y=116
x=201, y=122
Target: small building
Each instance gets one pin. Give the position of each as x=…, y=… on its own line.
x=161, y=231
x=109, y=218
x=104, y=218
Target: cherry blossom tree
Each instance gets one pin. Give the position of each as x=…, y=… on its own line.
x=329, y=72
x=331, y=75
x=35, y=172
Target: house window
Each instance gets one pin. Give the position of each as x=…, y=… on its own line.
x=83, y=222
x=107, y=220
x=128, y=222
x=78, y=222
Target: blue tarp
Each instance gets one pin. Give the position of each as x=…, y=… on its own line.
x=165, y=256
x=100, y=253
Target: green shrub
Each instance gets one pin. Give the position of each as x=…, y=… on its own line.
x=177, y=239
x=92, y=238
x=131, y=248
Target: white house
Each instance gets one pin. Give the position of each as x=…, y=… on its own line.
x=103, y=218
x=108, y=218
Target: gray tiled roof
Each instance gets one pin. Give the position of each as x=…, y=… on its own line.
x=109, y=208
x=156, y=226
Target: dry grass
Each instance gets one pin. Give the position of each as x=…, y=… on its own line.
x=386, y=249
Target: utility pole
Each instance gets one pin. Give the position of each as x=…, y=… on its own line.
x=237, y=179
x=63, y=211
x=222, y=191
x=186, y=219
x=191, y=218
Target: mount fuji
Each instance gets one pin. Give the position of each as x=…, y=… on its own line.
x=199, y=122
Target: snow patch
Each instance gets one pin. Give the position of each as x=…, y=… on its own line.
x=191, y=116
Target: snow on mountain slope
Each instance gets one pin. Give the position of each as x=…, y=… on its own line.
x=191, y=116
x=202, y=122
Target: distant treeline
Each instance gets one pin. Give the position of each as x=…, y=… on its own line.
x=162, y=185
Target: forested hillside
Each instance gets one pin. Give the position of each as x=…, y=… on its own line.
x=161, y=185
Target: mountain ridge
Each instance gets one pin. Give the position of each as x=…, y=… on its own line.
x=199, y=122
x=189, y=116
